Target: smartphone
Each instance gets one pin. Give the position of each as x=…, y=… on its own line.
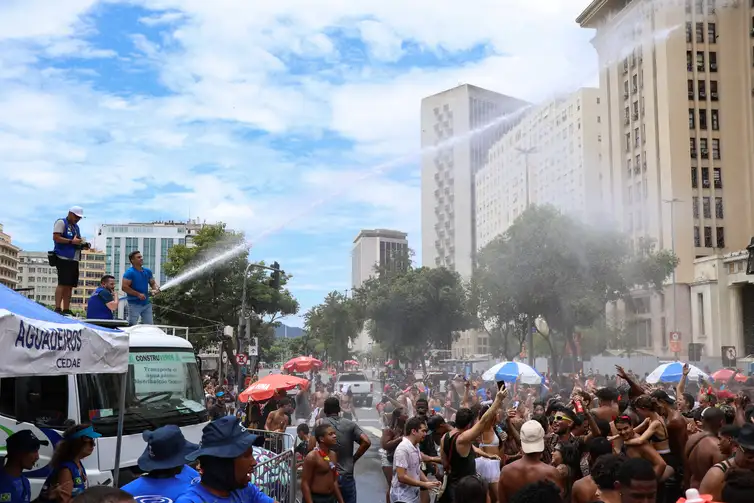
x=515, y=404
x=501, y=385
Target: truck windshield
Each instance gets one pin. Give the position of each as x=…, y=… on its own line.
x=351, y=377
x=164, y=387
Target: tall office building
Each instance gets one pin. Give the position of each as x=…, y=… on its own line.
x=551, y=157
x=8, y=260
x=676, y=89
x=451, y=159
x=36, y=277
x=382, y=248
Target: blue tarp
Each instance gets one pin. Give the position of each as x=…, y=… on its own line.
x=23, y=306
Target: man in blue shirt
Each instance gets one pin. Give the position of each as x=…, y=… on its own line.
x=226, y=457
x=66, y=237
x=23, y=454
x=164, y=460
x=136, y=283
x=103, y=301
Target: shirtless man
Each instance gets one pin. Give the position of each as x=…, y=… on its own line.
x=320, y=395
x=714, y=480
x=585, y=489
x=319, y=480
x=605, y=473
x=608, y=406
x=702, y=449
x=278, y=420
x=529, y=469
x=643, y=450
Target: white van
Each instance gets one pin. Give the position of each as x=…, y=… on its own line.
x=165, y=387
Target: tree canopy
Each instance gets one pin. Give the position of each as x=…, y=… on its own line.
x=331, y=326
x=552, y=265
x=212, y=299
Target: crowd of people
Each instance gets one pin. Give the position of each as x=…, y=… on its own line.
x=587, y=439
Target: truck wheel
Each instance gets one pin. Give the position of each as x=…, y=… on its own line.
x=369, y=401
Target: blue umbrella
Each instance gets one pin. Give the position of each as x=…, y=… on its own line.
x=510, y=371
x=672, y=372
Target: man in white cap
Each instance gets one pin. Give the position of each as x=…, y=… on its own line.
x=529, y=468
x=66, y=256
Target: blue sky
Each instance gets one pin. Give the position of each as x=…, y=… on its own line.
x=270, y=116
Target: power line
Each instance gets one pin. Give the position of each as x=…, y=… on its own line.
x=215, y=322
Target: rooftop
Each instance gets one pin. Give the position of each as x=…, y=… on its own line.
x=380, y=233
x=598, y=10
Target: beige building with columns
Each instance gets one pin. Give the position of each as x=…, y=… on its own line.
x=677, y=88
x=8, y=260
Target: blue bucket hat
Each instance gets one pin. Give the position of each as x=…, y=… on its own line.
x=166, y=449
x=225, y=438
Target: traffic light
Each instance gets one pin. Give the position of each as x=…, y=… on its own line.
x=275, y=276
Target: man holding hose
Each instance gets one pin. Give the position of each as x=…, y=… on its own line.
x=136, y=283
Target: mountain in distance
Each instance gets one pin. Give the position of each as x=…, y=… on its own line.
x=290, y=332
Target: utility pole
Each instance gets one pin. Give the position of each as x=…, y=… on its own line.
x=243, y=317
x=526, y=152
x=672, y=249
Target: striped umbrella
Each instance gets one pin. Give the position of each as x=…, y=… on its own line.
x=510, y=371
x=672, y=372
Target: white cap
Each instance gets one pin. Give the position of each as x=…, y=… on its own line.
x=532, y=437
x=77, y=210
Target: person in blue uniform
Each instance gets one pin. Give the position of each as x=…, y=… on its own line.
x=103, y=301
x=164, y=460
x=226, y=457
x=68, y=478
x=22, y=454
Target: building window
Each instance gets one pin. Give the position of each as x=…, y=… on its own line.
x=713, y=90
x=697, y=240
x=706, y=210
x=695, y=206
x=703, y=148
x=715, y=148
x=705, y=178
x=688, y=32
x=720, y=235
x=713, y=61
x=719, y=208
x=690, y=85
x=628, y=142
x=702, y=118
x=628, y=169
x=708, y=237
x=717, y=178
x=715, y=118
x=700, y=312
x=702, y=86
x=699, y=33
x=711, y=33
x=692, y=147
x=637, y=139
x=700, y=61
x=694, y=178
x=689, y=61
x=692, y=124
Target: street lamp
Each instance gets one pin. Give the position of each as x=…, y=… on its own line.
x=672, y=203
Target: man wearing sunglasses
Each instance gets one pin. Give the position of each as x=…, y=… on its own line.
x=714, y=480
x=561, y=427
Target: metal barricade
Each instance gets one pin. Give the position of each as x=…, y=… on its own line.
x=275, y=475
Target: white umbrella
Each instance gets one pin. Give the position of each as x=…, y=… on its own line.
x=510, y=371
x=672, y=372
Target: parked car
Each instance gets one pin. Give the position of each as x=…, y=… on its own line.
x=359, y=385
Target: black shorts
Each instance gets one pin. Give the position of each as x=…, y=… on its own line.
x=68, y=273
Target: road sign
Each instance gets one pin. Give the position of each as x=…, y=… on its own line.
x=254, y=347
x=675, y=336
x=241, y=359
x=224, y=357
x=675, y=346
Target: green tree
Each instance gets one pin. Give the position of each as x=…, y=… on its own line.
x=331, y=326
x=212, y=299
x=412, y=311
x=551, y=265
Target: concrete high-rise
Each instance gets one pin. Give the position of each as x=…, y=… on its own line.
x=448, y=169
x=36, y=277
x=676, y=85
x=552, y=156
x=386, y=249
x=8, y=260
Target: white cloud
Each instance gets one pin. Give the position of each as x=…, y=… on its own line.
x=237, y=66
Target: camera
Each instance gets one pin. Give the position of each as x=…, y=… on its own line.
x=85, y=246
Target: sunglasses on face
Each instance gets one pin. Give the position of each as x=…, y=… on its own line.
x=559, y=417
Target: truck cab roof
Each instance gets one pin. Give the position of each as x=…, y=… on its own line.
x=150, y=336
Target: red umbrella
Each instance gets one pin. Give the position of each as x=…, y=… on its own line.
x=351, y=362
x=302, y=364
x=266, y=387
x=390, y=363
x=724, y=375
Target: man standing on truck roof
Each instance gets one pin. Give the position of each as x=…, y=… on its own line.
x=136, y=283
x=65, y=257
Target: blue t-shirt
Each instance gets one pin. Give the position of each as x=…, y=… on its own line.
x=14, y=489
x=167, y=490
x=140, y=283
x=97, y=308
x=199, y=494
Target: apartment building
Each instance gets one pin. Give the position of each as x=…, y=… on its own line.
x=387, y=249
x=676, y=87
x=8, y=260
x=35, y=276
x=552, y=156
